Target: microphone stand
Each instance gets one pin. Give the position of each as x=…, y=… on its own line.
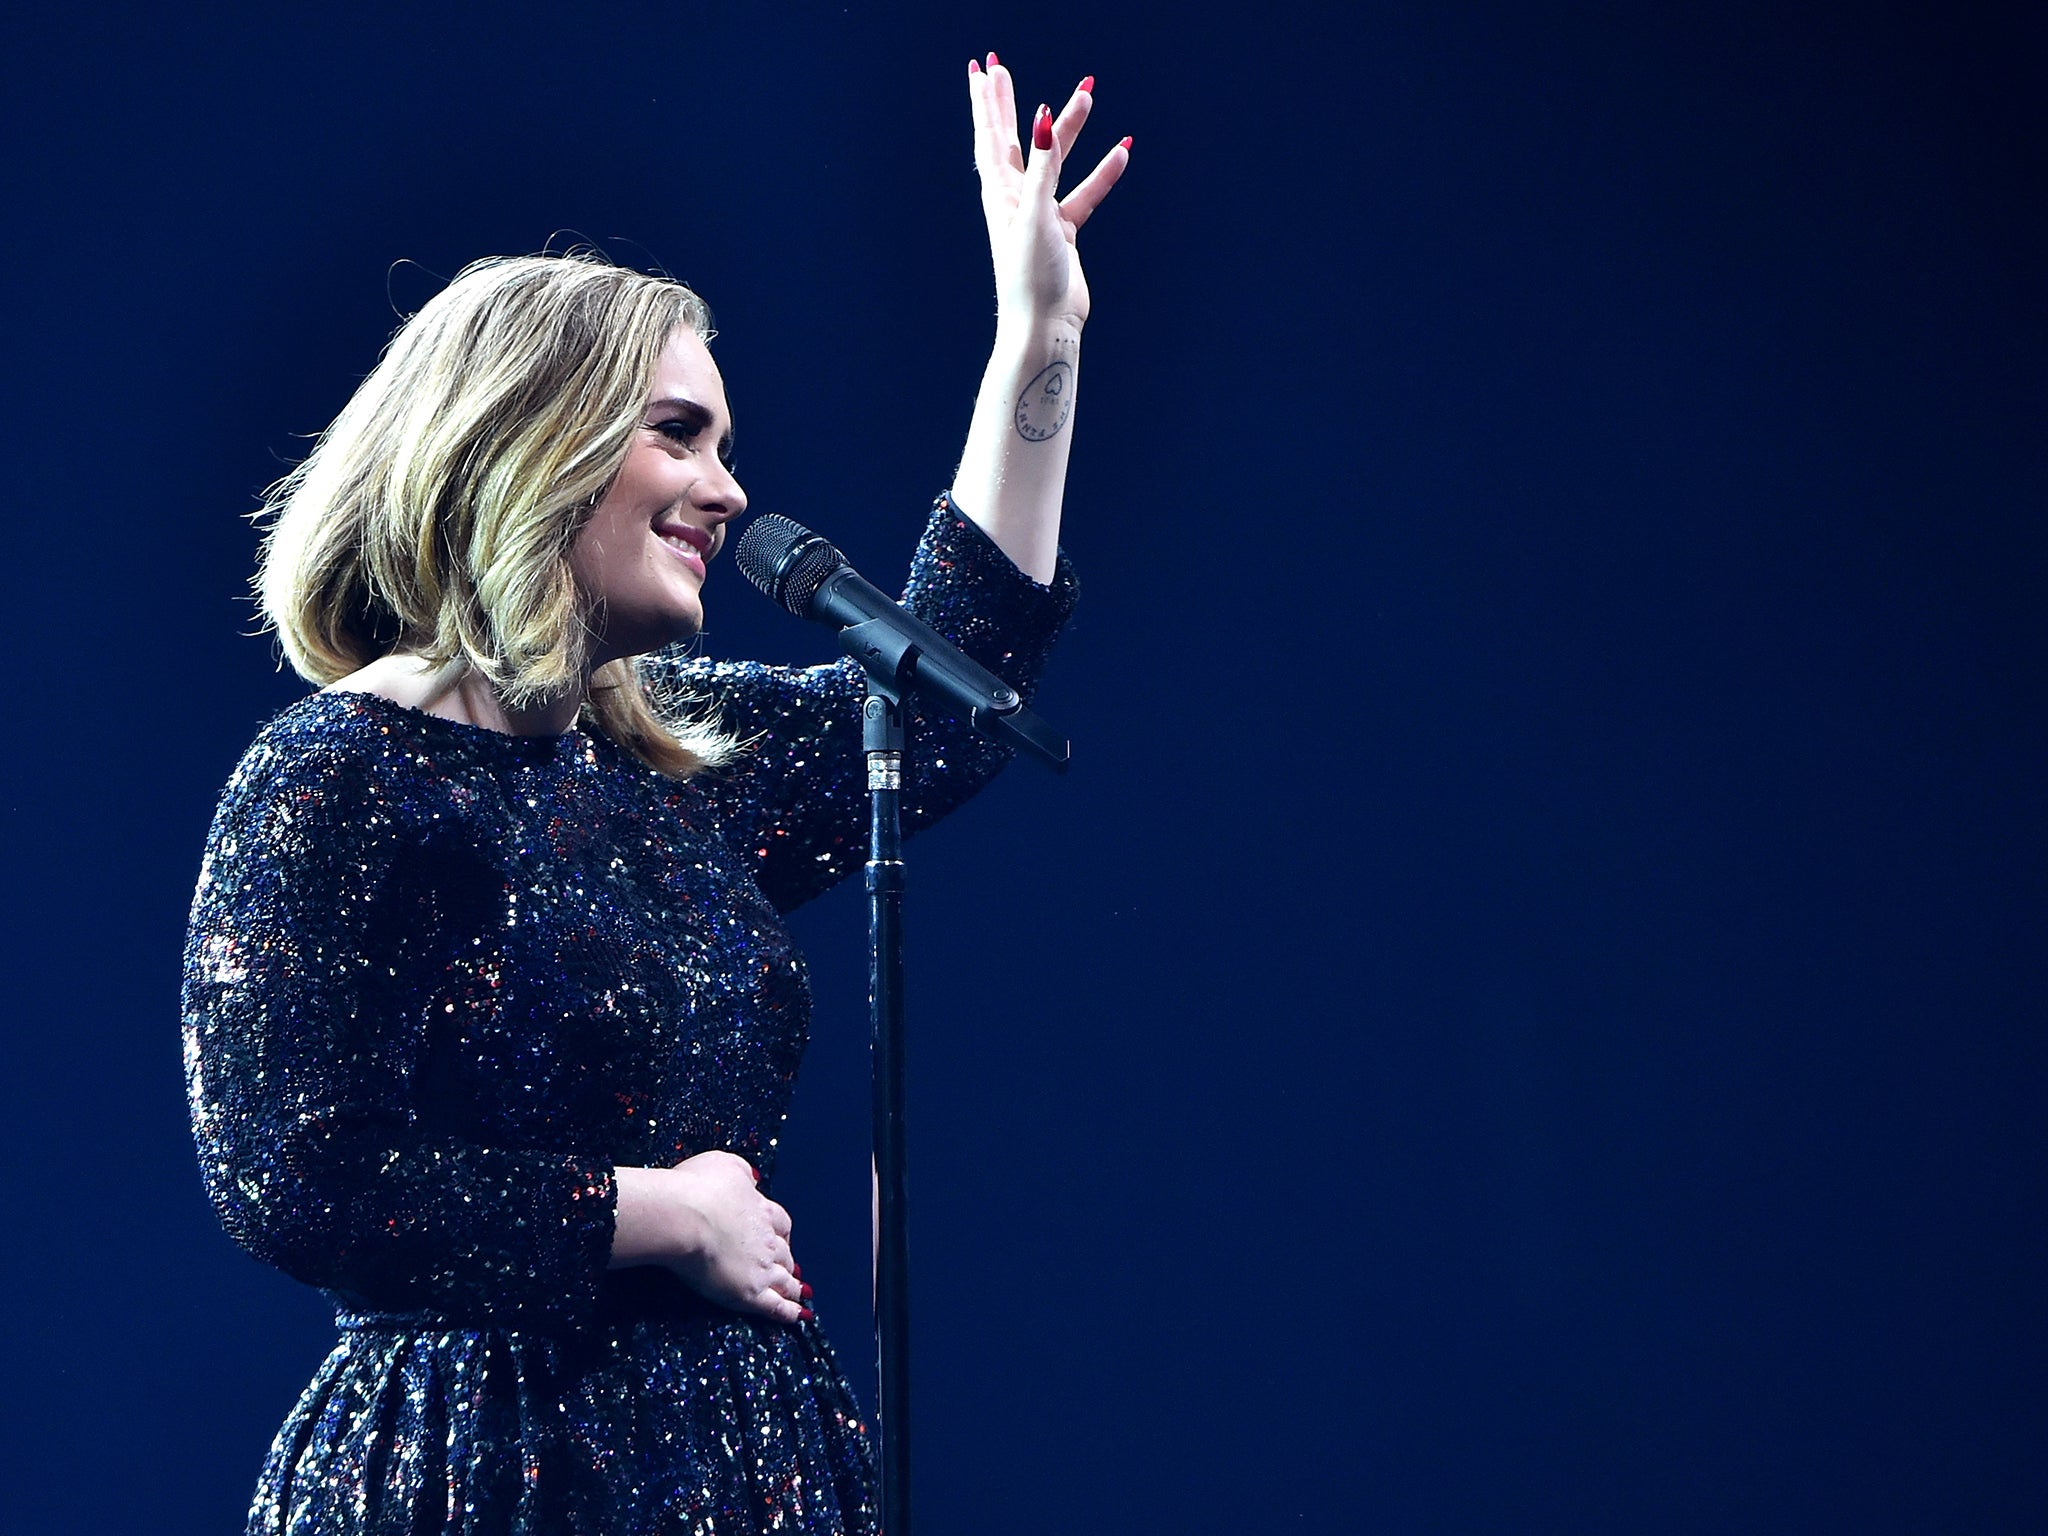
x=882, y=736
x=890, y=659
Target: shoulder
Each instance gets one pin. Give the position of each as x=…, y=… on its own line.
x=322, y=736
x=333, y=759
x=314, y=794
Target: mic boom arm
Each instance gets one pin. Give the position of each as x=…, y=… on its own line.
x=902, y=653
x=806, y=575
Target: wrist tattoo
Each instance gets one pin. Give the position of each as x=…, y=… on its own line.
x=1046, y=402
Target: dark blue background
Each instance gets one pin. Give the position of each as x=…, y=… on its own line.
x=1526, y=1015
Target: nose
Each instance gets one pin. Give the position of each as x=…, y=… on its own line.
x=719, y=494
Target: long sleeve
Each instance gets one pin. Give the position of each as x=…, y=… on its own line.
x=317, y=907
x=795, y=805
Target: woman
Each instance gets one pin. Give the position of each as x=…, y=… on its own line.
x=490, y=1016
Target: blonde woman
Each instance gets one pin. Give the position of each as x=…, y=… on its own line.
x=491, y=1018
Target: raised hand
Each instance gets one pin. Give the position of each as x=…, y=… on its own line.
x=1030, y=230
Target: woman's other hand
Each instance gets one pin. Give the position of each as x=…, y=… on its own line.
x=705, y=1220
x=1030, y=230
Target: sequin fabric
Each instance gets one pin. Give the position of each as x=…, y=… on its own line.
x=441, y=981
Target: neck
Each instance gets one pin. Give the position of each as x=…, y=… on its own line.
x=475, y=702
x=453, y=692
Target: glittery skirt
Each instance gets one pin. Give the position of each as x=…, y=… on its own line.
x=647, y=1426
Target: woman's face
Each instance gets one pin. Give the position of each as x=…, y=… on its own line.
x=641, y=557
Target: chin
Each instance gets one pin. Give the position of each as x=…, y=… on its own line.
x=645, y=634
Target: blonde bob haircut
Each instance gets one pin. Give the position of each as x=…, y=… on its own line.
x=436, y=514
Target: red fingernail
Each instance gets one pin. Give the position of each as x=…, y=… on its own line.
x=1127, y=141
x=753, y=1173
x=1087, y=83
x=993, y=61
x=797, y=1270
x=804, y=1291
x=1041, y=129
x=974, y=66
x=807, y=1314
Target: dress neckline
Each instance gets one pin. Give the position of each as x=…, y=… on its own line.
x=425, y=720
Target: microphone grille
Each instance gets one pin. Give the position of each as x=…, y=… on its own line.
x=786, y=560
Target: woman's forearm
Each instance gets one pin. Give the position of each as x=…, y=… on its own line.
x=1013, y=474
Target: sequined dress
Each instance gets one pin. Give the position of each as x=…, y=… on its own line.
x=441, y=981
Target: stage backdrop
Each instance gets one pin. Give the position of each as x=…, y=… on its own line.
x=1526, y=1014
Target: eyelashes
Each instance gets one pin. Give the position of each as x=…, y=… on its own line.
x=687, y=432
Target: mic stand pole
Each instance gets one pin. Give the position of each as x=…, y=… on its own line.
x=890, y=656
x=882, y=736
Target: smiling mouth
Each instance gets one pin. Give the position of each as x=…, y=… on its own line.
x=692, y=545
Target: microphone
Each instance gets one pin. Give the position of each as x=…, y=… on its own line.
x=803, y=573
